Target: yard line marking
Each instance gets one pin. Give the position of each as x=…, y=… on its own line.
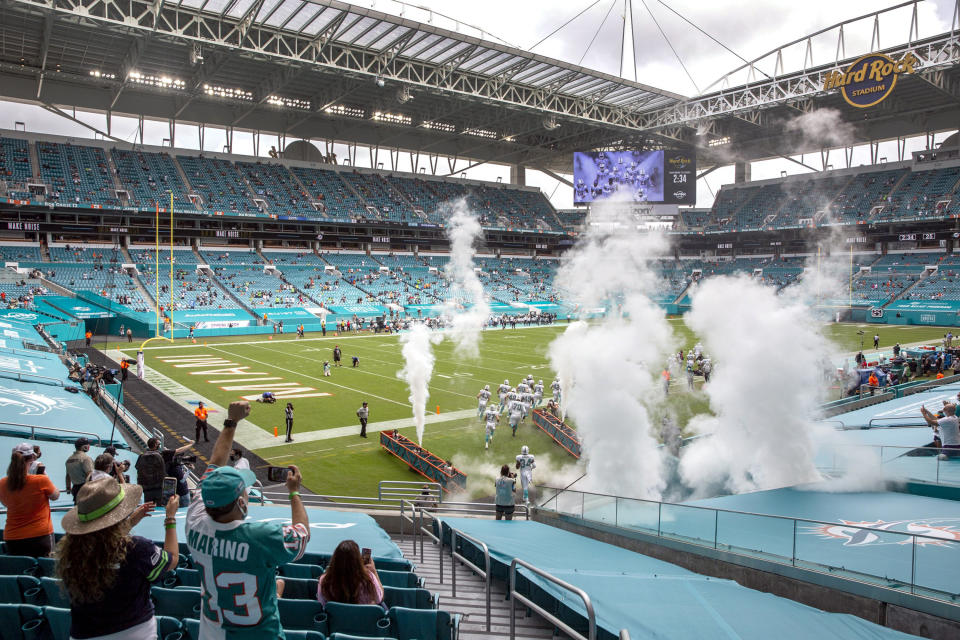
x=303, y=375
x=380, y=375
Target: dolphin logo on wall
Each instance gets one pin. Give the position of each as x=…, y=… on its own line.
x=32, y=403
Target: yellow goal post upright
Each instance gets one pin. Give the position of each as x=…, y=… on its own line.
x=160, y=335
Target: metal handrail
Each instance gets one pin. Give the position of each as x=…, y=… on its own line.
x=915, y=537
x=744, y=513
x=483, y=573
x=516, y=596
x=20, y=374
x=33, y=429
x=870, y=424
x=400, y=489
x=129, y=418
x=436, y=538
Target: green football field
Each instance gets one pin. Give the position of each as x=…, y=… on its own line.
x=327, y=447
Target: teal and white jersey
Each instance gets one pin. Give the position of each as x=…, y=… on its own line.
x=538, y=390
x=483, y=396
x=516, y=411
x=503, y=389
x=238, y=563
x=491, y=416
x=525, y=462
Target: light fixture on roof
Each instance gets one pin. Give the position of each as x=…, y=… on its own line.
x=404, y=95
x=380, y=81
x=196, y=55
x=550, y=123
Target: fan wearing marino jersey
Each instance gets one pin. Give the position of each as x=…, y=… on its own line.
x=239, y=559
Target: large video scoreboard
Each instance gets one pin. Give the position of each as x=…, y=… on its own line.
x=661, y=177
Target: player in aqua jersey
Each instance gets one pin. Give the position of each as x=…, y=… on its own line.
x=526, y=465
x=555, y=387
x=482, y=398
x=491, y=417
x=238, y=559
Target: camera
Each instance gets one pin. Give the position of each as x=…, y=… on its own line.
x=183, y=458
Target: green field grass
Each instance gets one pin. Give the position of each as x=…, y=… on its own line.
x=349, y=465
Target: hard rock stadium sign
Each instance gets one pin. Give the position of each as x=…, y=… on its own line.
x=870, y=79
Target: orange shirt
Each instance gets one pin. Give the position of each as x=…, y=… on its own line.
x=28, y=510
x=88, y=335
x=201, y=413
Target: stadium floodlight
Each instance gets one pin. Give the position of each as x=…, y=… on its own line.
x=379, y=81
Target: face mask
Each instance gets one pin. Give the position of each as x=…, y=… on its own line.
x=242, y=505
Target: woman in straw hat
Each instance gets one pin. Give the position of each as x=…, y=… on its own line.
x=27, y=496
x=107, y=572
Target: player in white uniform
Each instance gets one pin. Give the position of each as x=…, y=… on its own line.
x=555, y=387
x=482, y=398
x=526, y=401
x=503, y=391
x=515, y=411
x=491, y=417
x=526, y=465
x=538, y=393
x=522, y=387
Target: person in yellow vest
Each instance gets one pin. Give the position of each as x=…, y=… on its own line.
x=201, y=413
x=88, y=336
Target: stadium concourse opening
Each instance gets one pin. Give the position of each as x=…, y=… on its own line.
x=616, y=404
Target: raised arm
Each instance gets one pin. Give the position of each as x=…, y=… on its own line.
x=184, y=447
x=221, y=448
x=298, y=514
x=929, y=417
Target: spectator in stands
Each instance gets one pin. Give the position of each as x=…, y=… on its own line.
x=505, y=485
x=28, y=530
x=237, y=460
x=107, y=572
x=947, y=428
x=106, y=465
x=152, y=468
x=350, y=578
x=78, y=466
x=240, y=553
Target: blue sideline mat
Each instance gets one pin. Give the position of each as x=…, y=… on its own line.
x=841, y=547
x=655, y=599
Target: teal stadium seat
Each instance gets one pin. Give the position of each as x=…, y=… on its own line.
x=55, y=594
x=176, y=603
x=168, y=627
x=182, y=578
x=300, y=589
x=409, y=598
x=423, y=624
x=21, y=621
x=47, y=567
x=58, y=622
x=20, y=590
x=18, y=566
x=191, y=631
x=403, y=579
x=303, y=571
x=357, y=619
x=302, y=615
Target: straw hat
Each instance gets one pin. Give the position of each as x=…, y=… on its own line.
x=101, y=503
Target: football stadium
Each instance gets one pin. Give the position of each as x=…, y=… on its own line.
x=375, y=319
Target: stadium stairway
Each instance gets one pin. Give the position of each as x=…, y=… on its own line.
x=900, y=296
x=156, y=411
x=470, y=600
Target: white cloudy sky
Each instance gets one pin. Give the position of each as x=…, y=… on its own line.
x=748, y=27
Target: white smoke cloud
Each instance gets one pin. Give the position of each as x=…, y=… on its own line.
x=417, y=369
x=609, y=368
x=822, y=128
x=766, y=388
x=463, y=230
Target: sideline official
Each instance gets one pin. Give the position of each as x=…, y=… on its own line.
x=364, y=414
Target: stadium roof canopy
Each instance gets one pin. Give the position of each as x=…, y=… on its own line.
x=322, y=70
x=329, y=71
